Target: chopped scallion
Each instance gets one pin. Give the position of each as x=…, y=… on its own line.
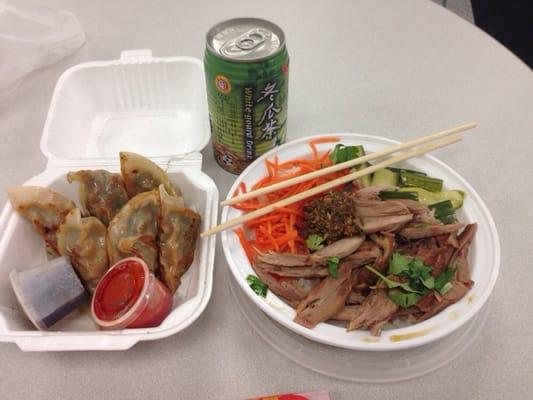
x=424, y=182
x=394, y=194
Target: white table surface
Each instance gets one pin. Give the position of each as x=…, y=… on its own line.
x=397, y=69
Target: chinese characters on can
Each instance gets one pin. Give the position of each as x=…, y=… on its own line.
x=268, y=122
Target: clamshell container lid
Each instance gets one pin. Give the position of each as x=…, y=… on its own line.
x=140, y=103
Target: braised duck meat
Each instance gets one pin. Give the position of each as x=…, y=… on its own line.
x=375, y=312
x=459, y=260
x=366, y=254
x=347, y=313
x=325, y=299
x=386, y=242
x=341, y=248
x=285, y=259
x=421, y=212
x=355, y=298
x=435, y=252
x=433, y=303
x=291, y=290
x=356, y=294
x=419, y=231
x=308, y=271
x=381, y=216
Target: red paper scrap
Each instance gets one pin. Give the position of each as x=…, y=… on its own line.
x=321, y=395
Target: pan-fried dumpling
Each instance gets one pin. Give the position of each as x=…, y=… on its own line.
x=82, y=240
x=142, y=175
x=44, y=208
x=102, y=193
x=178, y=232
x=133, y=231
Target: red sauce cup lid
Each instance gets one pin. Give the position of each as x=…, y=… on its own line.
x=120, y=296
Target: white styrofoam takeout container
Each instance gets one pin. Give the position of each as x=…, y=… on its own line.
x=152, y=106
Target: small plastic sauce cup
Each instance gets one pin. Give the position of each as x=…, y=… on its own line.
x=129, y=296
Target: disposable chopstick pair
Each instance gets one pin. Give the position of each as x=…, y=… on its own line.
x=346, y=164
x=331, y=184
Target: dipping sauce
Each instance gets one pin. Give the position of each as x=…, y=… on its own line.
x=129, y=296
x=49, y=292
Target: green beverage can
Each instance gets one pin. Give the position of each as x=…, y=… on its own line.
x=247, y=78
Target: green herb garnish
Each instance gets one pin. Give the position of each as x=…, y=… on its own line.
x=398, y=264
x=446, y=288
x=333, y=265
x=419, y=275
x=404, y=300
x=314, y=242
x=420, y=281
x=443, y=280
x=395, y=194
x=421, y=181
x=390, y=283
x=258, y=286
x=342, y=153
x=444, y=212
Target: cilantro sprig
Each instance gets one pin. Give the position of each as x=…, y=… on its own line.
x=404, y=300
x=258, y=286
x=333, y=266
x=419, y=280
x=314, y=242
x=442, y=282
x=391, y=284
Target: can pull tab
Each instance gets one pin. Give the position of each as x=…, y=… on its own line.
x=250, y=40
x=246, y=42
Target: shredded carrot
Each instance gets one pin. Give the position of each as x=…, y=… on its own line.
x=325, y=139
x=314, y=150
x=241, y=189
x=245, y=244
x=278, y=230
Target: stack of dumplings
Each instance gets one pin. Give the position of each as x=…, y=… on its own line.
x=137, y=213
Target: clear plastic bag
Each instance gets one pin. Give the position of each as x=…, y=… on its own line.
x=33, y=36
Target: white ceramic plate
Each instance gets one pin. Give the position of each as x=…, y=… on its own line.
x=484, y=257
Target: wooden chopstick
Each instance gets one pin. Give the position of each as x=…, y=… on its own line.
x=346, y=164
x=330, y=185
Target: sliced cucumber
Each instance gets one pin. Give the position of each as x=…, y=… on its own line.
x=366, y=180
x=385, y=177
x=426, y=197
